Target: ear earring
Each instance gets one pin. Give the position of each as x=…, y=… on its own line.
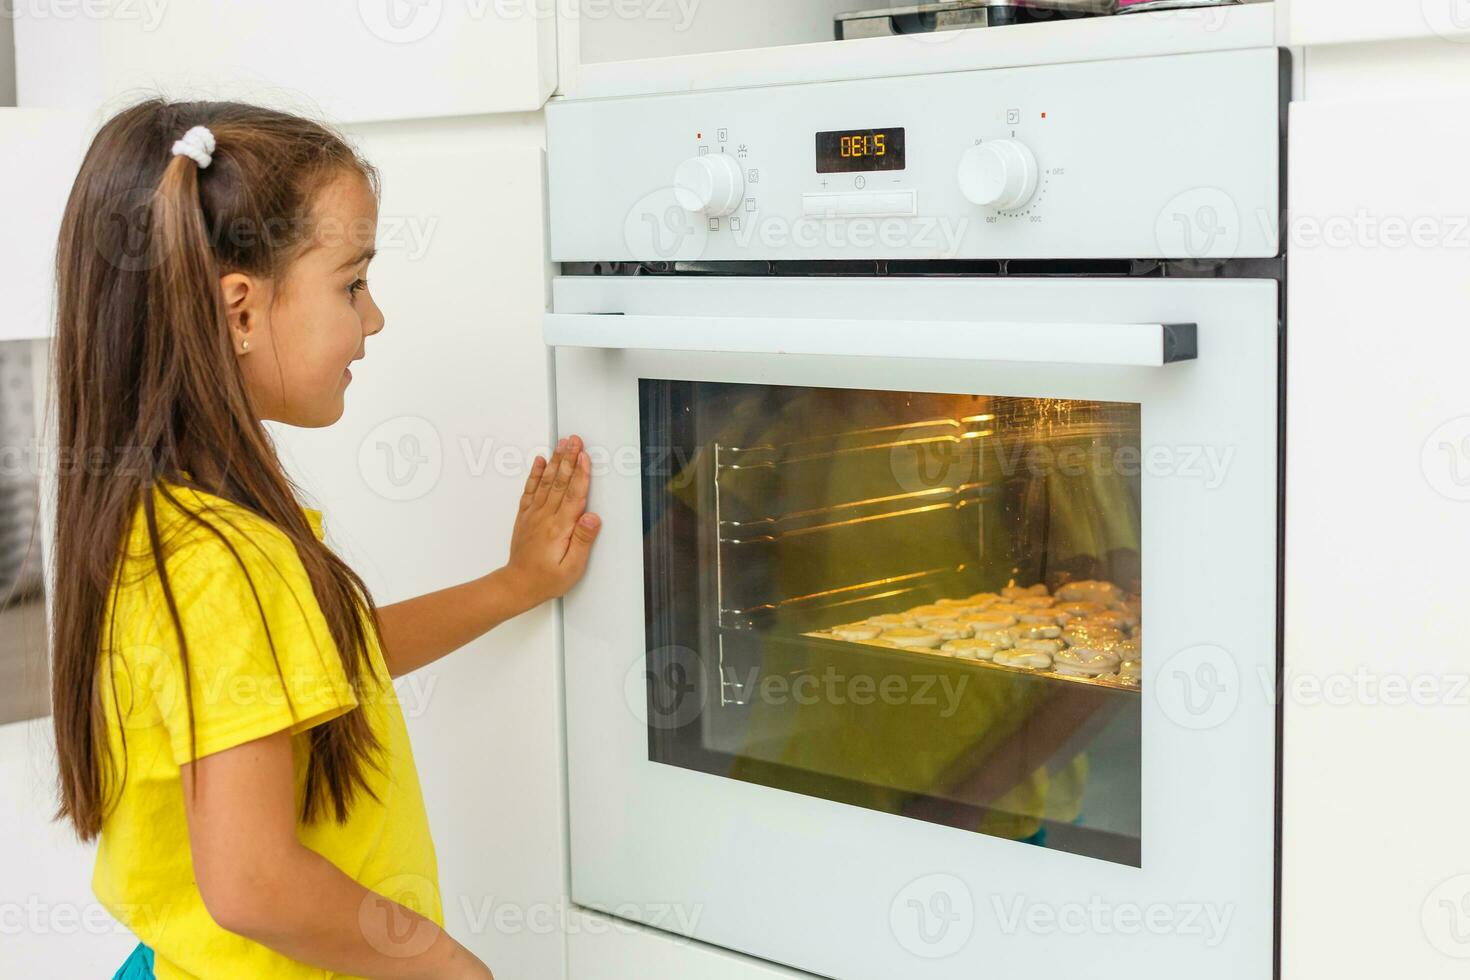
x=244, y=346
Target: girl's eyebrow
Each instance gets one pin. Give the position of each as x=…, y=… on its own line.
x=361, y=257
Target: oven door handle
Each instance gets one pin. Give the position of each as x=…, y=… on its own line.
x=1119, y=344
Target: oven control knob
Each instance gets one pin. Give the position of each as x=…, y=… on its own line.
x=999, y=174
x=711, y=184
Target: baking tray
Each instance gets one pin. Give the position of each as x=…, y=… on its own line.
x=1112, y=683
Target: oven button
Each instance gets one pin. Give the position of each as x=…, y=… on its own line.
x=999, y=174
x=711, y=184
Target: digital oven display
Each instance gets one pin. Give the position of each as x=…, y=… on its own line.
x=843, y=151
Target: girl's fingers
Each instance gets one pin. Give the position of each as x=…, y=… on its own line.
x=543, y=489
x=579, y=547
x=564, y=470
x=575, y=501
x=538, y=467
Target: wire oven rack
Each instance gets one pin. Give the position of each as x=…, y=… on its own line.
x=832, y=528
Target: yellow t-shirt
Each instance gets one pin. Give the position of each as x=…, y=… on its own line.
x=144, y=872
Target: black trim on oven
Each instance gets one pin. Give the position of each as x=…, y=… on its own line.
x=1267, y=268
x=1284, y=92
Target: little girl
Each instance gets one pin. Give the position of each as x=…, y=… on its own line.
x=225, y=722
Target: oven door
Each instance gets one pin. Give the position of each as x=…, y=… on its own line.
x=856, y=682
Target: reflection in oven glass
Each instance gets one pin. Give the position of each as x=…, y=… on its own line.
x=927, y=604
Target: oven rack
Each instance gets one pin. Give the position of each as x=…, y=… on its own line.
x=769, y=528
x=812, y=606
x=800, y=503
x=894, y=436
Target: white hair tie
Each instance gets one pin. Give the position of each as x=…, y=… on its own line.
x=198, y=145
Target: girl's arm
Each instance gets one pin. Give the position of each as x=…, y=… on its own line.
x=259, y=881
x=549, y=547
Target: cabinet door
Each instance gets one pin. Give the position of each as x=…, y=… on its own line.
x=348, y=61
x=42, y=150
x=1330, y=21
x=444, y=416
x=1378, y=514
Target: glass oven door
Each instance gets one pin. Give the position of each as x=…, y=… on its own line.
x=886, y=711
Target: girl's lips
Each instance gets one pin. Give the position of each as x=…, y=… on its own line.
x=347, y=373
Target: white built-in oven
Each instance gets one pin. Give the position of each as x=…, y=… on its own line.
x=935, y=432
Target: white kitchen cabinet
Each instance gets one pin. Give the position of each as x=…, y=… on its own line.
x=602, y=59
x=1332, y=21
x=1376, y=876
x=347, y=60
x=42, y=150
x=419, y=484
x=1388, y=69
x=627, y=32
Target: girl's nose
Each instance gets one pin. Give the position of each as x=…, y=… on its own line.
x=373, y=322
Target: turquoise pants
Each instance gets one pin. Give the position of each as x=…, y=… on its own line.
x=139, y=966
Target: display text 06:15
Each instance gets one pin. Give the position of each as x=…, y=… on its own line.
x=856, y=150
x=863, y=145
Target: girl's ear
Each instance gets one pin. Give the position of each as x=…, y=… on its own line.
x=243, y=296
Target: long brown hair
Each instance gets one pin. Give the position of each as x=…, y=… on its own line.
x=149, y=394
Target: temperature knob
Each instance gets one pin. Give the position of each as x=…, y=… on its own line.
x=998, y=174
x=711, y=184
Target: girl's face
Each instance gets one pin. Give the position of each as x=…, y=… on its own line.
x=295, y=336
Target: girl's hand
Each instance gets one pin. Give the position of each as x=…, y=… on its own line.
x=553, y=532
